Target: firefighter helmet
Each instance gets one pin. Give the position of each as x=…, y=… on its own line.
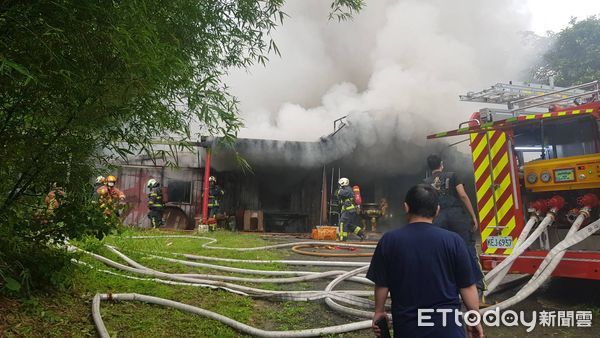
x=343, y=182
x=152, y=183
x=212, y=179
x=100, y=179
x=111, y=180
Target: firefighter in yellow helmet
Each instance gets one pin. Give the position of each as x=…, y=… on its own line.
x=114, y=192
x=348, y=214
x=110, y=195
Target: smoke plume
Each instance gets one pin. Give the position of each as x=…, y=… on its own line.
x=396, y=70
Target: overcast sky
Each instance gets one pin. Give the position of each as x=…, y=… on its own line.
x=554, y=15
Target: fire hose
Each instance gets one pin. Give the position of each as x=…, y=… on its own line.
x=309, y=275
x=241, y=327
x=286, y=262
x=493, y=282
x=588, y=201
x=559, y=255
x=348, y=297
x=544, y=271
x=553, y=258
x=256, y=248
x=495, y=276
x=300, y=295
x=298, y=249
x=332, y=298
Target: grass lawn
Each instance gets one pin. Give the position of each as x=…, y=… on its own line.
x=67, y=313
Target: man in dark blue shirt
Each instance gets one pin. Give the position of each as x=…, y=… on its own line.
x=424, y=268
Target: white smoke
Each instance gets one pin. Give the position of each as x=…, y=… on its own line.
x=408, y=58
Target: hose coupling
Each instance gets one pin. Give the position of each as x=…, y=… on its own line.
x=556, y=203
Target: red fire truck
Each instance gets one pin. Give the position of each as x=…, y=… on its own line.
x=540, y=157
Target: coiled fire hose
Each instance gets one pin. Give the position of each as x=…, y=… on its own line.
x=298, y=249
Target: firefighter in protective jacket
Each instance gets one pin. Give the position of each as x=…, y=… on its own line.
x=214, y=195
x=348, y=214
x=110, y=196
x=155, y=203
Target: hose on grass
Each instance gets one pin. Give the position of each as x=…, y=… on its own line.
x=157, y=280
x=252, y=271
x=241, y=327
x=349, y=302
x=333, y=298
x=251, y=291
x=302, y=275
x=286, y=262
x=352, y=299
x=298, y=249
x=340, y=308
x=353, y=304
x=207, y=245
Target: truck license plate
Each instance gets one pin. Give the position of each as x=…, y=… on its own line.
x=499, y=242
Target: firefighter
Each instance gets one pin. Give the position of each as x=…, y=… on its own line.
x=114, y=192
x=456, y=211
x=100, y=182
x=214, y=195
x=53, y=198
x=155, y=203
x=110, y=195
x=348, y=214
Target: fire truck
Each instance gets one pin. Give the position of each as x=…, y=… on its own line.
x=537, y=178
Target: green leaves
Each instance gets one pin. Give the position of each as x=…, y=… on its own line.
x=344, y=9
x=7, y=65
x=85, y=82
x=573, y=57
x=12, y=285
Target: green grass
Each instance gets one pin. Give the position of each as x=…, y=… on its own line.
x=67, y=313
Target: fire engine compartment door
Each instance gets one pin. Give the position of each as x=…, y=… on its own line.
x=495, y=184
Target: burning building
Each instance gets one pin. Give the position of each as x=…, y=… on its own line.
x=290, y=183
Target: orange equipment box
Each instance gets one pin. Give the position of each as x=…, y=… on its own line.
x=326, y=233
